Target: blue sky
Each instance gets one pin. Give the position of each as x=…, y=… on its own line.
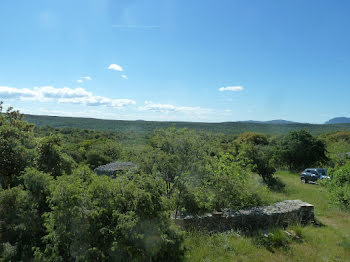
x=211, y=61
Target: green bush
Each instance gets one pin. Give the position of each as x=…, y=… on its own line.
x=339, y=186
x=299, y=150
x=230, y=186
x=51, y=159
x=97, y=218
x=101, y=154
x=16, y=146
x=273, y=240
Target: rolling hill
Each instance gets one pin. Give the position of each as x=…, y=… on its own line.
x=144, y=127
x=338, y=120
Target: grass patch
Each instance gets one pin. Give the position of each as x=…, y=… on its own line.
x=345, y=244
x=331, y=242
x=273, y=240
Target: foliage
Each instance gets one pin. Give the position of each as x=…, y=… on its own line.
x=339, y=186
x=299, y=150
x=16, y=146
x=175, y=153
x=272, y=240
x=307, y=243
x=101, y=154
x=252, y=138
x=338, y=148
x=135, y=128
x=229, y=186
x=103, y=219
x=21, y=211
x=51, y=159
x=257, y=154
x=260, y=158
x=76, y=215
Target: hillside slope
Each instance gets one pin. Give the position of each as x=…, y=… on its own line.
x=338, y=120
x=145, y=127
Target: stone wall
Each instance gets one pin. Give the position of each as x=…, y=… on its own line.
x=112, y=169
x=280, y=214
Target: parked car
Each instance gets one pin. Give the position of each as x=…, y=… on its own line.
x=313, y=174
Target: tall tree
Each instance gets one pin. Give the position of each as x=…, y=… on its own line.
x=16, y=146
x=51, y=159
x=299, y=150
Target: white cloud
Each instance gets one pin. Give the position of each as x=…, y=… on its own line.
x=65, y=92
x=166, y=108
x=88, y=78
x=98, y=101
x=11, y=92
x=115, y=67
x=231, y=88
x=125, y=77
x=63, y=95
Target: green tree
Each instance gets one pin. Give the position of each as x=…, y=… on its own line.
x=179, y=153
x=51, y=159
x=339, y=186
x=253, y=138
x=338, y=148
x=97, y=218
x=299, y=150
x=254, y=151
x=259, y=158
x=103, y=153
x=231, y=186
x=21, y=216
x=16, y=146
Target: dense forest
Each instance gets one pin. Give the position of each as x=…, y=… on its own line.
x=53, y=207
x=147, y=127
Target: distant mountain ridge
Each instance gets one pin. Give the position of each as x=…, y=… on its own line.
x=147, y=127
x=338, y=120
x=275, y=122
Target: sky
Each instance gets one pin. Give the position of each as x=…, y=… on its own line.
x=177, y=60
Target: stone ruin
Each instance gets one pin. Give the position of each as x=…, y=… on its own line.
x=280, y=214
x=112, y=169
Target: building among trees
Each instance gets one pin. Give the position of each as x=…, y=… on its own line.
x=114, y=168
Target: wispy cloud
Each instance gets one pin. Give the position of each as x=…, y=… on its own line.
x=85, y=78
x=115, y=67
x=231, y=88
x=166, y=108
x=137, y=26
x=63, y=95
x=125, y=77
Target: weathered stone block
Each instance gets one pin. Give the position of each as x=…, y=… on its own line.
x=280, y=214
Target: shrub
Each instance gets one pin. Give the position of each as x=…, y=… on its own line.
x=339, y=186
x=97, y=218
x=51, y=159
x=275, y=184
x=230, y=186
x=299, y=150
x=273, y=240
x=16, y=146
x=21, y=215
x=101, y=154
